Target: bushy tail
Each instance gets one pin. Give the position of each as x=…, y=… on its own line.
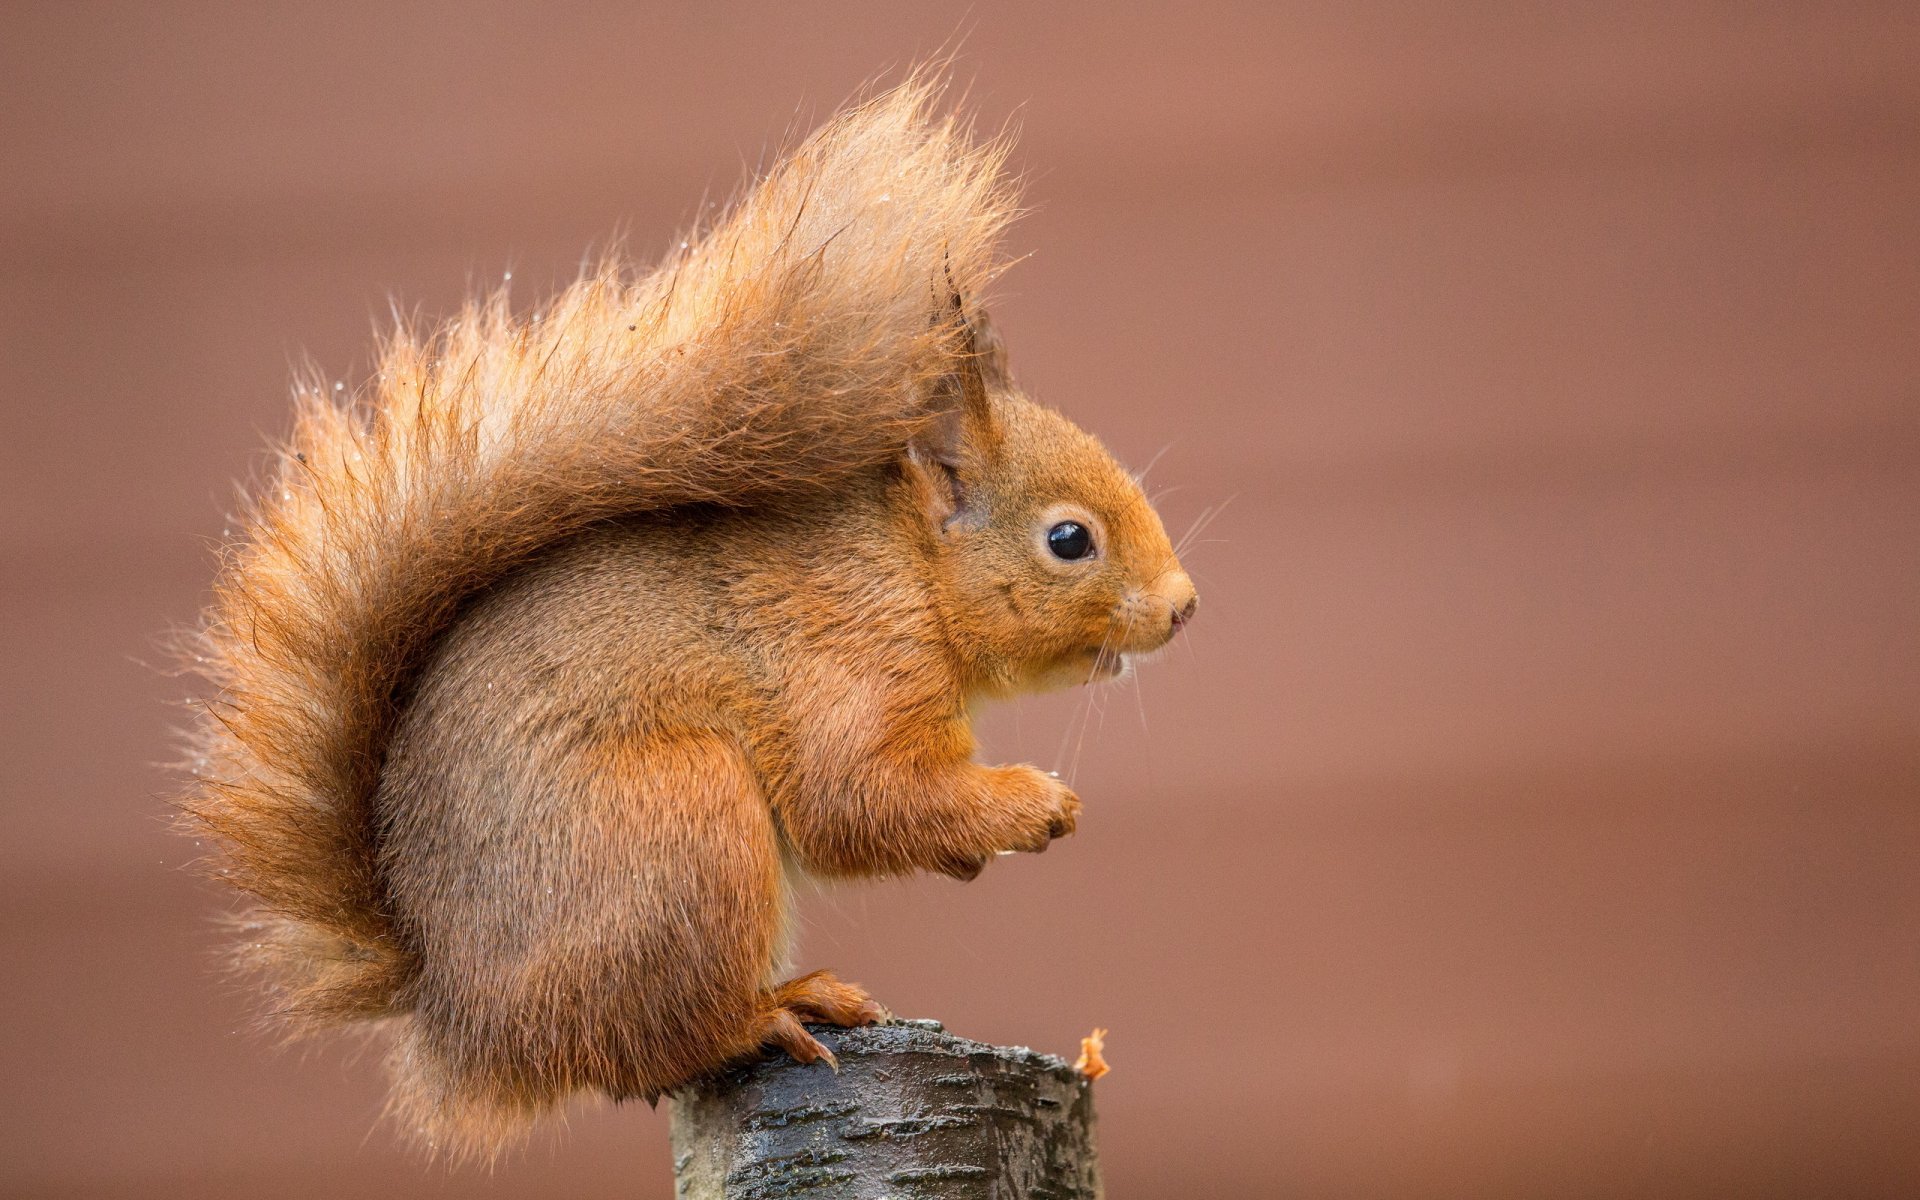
x=796, y=341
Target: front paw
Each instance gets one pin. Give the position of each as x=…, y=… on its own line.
x=1066, y=817
x=1057, y=816
x=1021, y=809
x=964, y=867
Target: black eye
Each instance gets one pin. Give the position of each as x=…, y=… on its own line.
x=1069, y=540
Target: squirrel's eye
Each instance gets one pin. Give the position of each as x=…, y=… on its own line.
x=1069, y=540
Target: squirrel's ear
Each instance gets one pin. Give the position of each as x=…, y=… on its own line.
x=943, y=494
x=986, y=353
x=965, y=425
x=962, y=436
x=979, y=368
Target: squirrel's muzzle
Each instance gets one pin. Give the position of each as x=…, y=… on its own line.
x=1182, y=600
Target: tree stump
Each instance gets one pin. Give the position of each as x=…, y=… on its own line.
x=914, y=1112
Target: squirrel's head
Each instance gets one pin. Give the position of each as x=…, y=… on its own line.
x=1055, y=569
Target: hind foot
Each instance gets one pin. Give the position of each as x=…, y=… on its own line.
x=825, y=1000
x=819, y=998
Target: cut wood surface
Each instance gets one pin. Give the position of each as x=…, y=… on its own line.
x=913, y=1111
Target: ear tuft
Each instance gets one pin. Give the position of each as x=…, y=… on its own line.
x=961, y=439
x=961, y=397
x=987, y=352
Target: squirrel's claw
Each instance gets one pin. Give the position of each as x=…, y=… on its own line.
x=966, y=870
x=782, y=1030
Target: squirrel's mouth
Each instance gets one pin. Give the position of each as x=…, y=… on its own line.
x=1104, y=663
x=1075, y=668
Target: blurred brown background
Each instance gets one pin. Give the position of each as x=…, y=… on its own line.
x=1535, y=809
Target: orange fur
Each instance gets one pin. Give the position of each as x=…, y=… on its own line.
x=544, y=657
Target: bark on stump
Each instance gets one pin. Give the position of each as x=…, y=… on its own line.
x=914, y=1112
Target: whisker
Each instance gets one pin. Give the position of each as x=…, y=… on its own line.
x=1146, y=736
x=1180, y=545
x=1083, y=715
x=1099, y=719
x=1140, y=476
x=1139, y=703
x=1094, y=700
x=1199, y=526
x=1192, y=654
x=1100, y=653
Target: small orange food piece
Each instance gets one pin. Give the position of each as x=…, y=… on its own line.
x=1090, y=1063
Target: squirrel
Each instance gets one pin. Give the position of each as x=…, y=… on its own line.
x=547, y=657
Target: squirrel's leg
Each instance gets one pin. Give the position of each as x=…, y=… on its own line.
x=619, y=933
x=681, y=901
x=726, y=916
x=908, y=796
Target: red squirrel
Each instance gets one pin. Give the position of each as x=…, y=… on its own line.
x=546, y=658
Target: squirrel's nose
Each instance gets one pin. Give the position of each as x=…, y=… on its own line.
x=1181, y=599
